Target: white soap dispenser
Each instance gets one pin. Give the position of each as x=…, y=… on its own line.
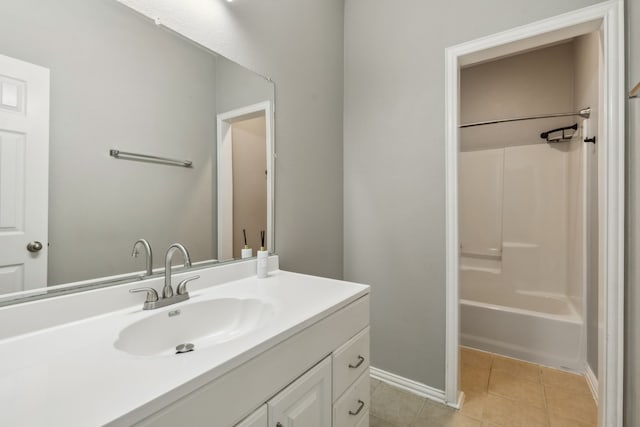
x=262, y=258
x=246, y=251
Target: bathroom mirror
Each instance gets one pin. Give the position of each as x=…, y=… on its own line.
x=110, y=88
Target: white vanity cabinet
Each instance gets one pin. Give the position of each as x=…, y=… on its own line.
x=318, y=377
x=257, y=419
x=300, y=357
x=306, y=402
x=351, y=396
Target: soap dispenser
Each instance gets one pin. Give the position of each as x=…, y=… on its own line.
x=262, y=258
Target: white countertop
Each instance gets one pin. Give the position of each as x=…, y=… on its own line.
x=72, y=375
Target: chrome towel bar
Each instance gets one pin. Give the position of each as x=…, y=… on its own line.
x=144, y=157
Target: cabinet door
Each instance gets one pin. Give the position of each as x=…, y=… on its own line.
x=306, y=402
x=257, y=419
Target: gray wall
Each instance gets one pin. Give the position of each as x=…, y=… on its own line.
x=299, y=44
x=394, y=175
x=239, y=87
x=497, y=89
x=632, y=325
x=118, y=81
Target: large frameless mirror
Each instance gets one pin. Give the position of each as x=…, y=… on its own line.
x=114, y=129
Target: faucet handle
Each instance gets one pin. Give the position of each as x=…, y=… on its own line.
x=152, y=294
x=182, y=286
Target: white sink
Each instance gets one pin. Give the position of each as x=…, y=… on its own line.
x=202, y=323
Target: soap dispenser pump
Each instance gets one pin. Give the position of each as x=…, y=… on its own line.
x=262, y=258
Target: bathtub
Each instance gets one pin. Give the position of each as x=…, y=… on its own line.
x=535, y=327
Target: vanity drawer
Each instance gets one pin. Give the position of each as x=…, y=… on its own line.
x=350, y=361
x=353, y=405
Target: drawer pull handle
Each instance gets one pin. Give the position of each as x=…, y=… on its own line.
x=361, y=403
x=357, y=365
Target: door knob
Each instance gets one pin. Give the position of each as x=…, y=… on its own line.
x=34, y=246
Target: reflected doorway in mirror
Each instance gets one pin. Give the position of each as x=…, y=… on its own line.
x=245, y=177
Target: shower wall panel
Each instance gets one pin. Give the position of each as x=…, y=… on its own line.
x=481, y=202
x=514, y=208
x=535, y=218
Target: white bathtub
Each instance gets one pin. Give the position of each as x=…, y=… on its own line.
x=536, y=327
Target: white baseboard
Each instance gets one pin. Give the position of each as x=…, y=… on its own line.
x=414, y=387
x=592, y=380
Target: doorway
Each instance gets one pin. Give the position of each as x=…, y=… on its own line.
x=606, y=20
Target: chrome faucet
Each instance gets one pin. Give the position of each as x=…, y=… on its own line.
x=167, y=290
x=168, y=297
x=149, y=254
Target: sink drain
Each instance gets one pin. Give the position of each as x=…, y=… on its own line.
x=184, y=348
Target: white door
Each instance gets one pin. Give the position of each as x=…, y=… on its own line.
x=306, y=402
x=24, y=171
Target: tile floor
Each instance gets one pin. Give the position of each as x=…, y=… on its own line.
x=498, y=392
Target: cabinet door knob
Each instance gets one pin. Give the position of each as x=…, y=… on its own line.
x=278, y=424
x=358, y=363
x=361, y=405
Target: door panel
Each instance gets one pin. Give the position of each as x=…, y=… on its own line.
x=11, y=182
x=12, y=94
x=11, y=278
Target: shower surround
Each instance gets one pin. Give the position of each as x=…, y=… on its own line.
x=521, y=247
x=528, y=208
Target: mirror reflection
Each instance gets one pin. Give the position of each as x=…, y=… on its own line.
x=114, y=129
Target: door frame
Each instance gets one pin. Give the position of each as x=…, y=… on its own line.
x=225, y=174
x=608, y=19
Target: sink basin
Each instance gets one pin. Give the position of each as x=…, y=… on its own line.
x=202, y=323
